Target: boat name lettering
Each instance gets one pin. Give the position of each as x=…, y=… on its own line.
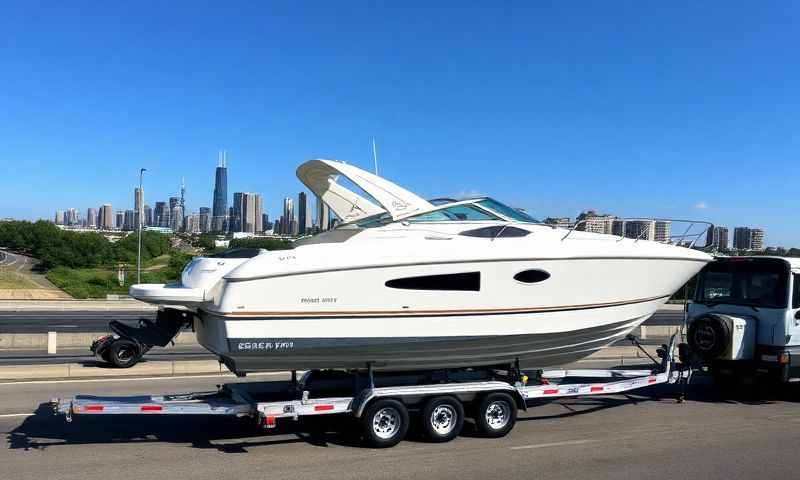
x=276, y=345
x=287, y=257
x=318, y=300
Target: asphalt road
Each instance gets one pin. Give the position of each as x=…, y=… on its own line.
x=97, y=321
x=31, y=321
x=645, y=435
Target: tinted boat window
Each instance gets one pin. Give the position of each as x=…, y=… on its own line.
x=470, y=281
x=454, y=213
x=236, y=253
x=495, y=231
x=532, y=276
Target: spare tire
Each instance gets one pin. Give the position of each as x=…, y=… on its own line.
x=709, y=336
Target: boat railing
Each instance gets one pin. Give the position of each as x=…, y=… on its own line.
x=690, y=236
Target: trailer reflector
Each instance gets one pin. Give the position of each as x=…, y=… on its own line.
x=322, y=408
x=652, y=379
x=92, y=408
x=269, y=421
x=597, y=389
x=151, y=408
x=551, y=391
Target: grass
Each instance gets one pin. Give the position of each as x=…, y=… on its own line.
x=99, y=282
x=15, y=281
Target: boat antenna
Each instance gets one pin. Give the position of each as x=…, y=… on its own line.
x=375, y=156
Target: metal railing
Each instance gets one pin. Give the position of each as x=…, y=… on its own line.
x=689, y=238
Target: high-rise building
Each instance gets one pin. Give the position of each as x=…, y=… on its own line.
x=323, y=215
x=265, y=226
x=741, y=238
x=235, y=220
x=176, y=218
x=756, y=239
x=129, y=221
x=161, y=215
x=288, y=216
x=205, y=219
x=597, y=224
x=303, y=215
x=247, y=210
x=663, y=231
x=91, y=218
x=72, y=217
x=192, y=223
x=59, y=220
x=220, y=205
x=175, y=214
x=717, y=237
x=148, y=215
x=119, y=219
x=106, y=217
x=138, y=207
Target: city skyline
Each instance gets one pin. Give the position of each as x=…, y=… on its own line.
x=540, y=108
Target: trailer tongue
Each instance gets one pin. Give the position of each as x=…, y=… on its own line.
x=381, y=401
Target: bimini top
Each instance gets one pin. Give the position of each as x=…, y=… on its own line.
x=320, y=176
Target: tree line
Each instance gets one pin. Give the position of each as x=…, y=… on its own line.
x=55, y=247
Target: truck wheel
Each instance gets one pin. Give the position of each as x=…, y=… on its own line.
x=384, y=423
x=496, y=415
x=124, y=353
x=442, y=419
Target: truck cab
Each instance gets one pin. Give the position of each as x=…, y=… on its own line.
x=746, y=313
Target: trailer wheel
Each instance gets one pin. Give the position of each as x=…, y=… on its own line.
x=384, y=423
x=496, y=415
x=442, y=419
x=124, y=353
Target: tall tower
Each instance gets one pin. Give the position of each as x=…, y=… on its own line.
x=183, y=197
x=219, y=209
x=138, y=207
x=302, y=213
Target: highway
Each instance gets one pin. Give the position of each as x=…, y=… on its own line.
x=41, y=321
x=643, y=435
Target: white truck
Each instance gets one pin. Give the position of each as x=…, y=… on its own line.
x=745, y=318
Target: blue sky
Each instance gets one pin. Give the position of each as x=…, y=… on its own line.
x=670, y=109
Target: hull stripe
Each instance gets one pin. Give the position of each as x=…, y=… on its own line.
x=428, y=313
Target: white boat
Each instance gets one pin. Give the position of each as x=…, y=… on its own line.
x=403, y=283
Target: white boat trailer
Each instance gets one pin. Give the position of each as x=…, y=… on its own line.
x=382, y=404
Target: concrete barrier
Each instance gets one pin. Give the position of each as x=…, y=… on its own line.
x=40, y=341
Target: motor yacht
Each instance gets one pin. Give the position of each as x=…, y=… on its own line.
x=404, y=283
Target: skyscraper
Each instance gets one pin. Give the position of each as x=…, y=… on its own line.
x=91, y=218
x=236, y=221
x=265, y=226
x=220, y=205
x=106, y=217
x=717, y=237
x=205, y=219
x=302, y=213
x=119, y=220
x=247, y=209
x=129, y=220
x=59, y=220
x=288, y=216
x=72, y=217
x=175, y=214
x=148, y=215
x=323, y=215
x=161, y=215
x=138, y=207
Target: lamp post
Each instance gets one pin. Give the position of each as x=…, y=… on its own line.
x=139, y=205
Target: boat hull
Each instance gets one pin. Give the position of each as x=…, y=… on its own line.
x=272, y=344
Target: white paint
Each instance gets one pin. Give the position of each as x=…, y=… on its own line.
x=52, y=340
x=554, y=444
x=12, y=415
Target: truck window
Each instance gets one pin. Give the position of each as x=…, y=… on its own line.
x=758, y=282
x=796, y=292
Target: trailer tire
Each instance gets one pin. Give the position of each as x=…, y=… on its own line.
x=442, y=419
x=496, y=415
x=124, y=353
x=384, y=423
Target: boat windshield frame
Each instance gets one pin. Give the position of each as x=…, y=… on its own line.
x=509, y=216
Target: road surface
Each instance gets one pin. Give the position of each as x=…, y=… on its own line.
x=644, y=435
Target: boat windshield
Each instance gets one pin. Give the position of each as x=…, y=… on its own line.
x=506, y=211
x=458, y=213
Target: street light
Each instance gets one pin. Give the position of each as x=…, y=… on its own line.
x=139, y=205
